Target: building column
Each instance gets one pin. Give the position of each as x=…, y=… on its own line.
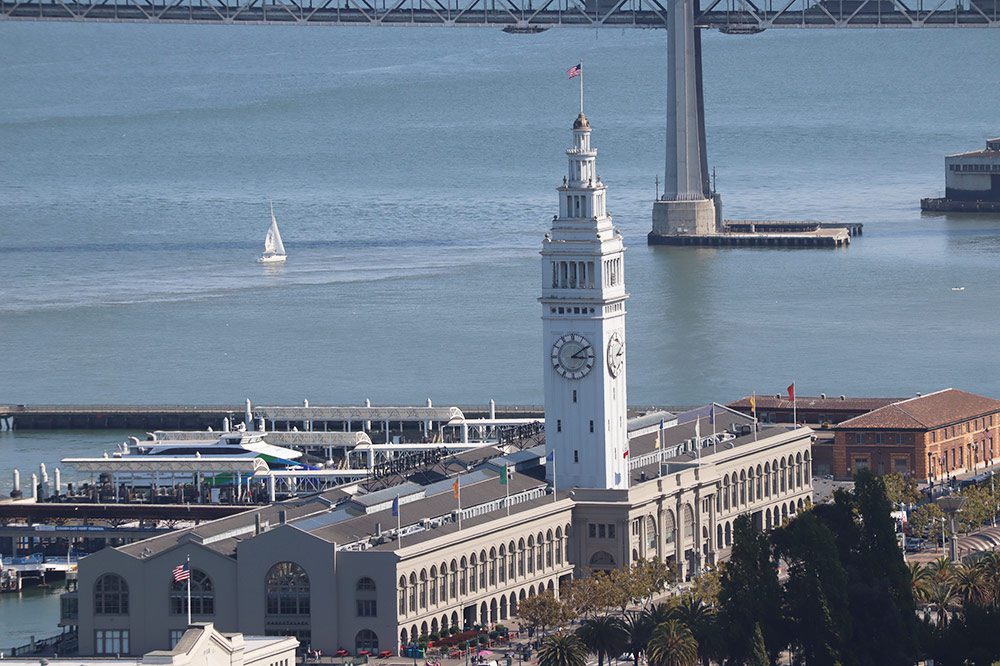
x=679, y=561
x=686, y=206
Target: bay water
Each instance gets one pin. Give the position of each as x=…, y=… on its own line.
x=413, y=173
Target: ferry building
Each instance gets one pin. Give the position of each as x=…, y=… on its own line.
x=377, y=565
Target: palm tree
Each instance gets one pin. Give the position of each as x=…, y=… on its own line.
x=672, y=645
x=971, y=583
x=920, y=577
x=638, y=630
x=942, y=569
x=604, y=636
x=657, y=614
x=699, y=618
x=942, y=596
x=562, y=649
x=989, y=565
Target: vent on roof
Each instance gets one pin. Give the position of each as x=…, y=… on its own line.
x=823, y=396
x=843, y=397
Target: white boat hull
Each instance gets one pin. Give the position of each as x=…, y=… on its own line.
x=271, y=259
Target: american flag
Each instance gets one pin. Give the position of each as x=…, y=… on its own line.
x=574, y=71
x=181, y=572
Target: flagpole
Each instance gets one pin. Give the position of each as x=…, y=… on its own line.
x=399, y=524
x=581, y=86
x=459, y=485
x=189, y=588
x=554, y=486
x=795, y=397
x=754, y=416
x=507, y=487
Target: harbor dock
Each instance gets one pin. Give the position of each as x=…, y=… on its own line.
x=769, y=233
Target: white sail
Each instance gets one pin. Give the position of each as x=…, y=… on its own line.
x=274, y=236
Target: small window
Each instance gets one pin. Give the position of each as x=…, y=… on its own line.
x=175, y=637
x=611, y=531
x=591, y=425
x=574, y=395
x=576, y=456
x=602, y=531
x=367, y=608
x=111, y=641
x=592, y=530
x=558, y=425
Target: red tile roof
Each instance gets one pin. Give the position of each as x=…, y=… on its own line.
x=925, y=412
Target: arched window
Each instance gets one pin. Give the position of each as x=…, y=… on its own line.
x=473, y=572
x=559, y=545
x=423, y=588
x=520, y=557
x=402, y=596
x=650, y=536
x=365, y=598
x=688, y=522
x=493, y=566
x=725, y=492
x=531, y=554
x=413, y=592
x=512, y=563
x=483, y=566
x=548, y=548
x=503, y=564
x=202, y=595
x=760, y=482
x=366, y=639
x=444, y=581
x=602, y=561
x=111, y=595
x=453, y=580
x=287, y=590
x=463, y=576
x=539, y=552
x=669, y=526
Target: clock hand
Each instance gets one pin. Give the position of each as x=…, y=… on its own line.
x=577, y=355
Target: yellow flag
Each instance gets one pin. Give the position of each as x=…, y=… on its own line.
x=753, y=402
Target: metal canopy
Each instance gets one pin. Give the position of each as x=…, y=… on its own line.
x=360, y=413
x=168, y=464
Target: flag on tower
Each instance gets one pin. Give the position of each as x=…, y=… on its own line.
x=395, y=506
x=791, y=391
x=552, y=456
x=575, y=71
x=626, y=454
x=503, y=476
x=182, y=572
x=454, y=489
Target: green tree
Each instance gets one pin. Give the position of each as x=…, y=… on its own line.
x=700, y=619
x=562, y=649
x=637, y=630
x=749, y=594
x=758, y=651
x=672, y=644
x=900, y=489
x=815, y=594
x=880, y=592
x=925, y=521
x=541, y=612
x=605, y=636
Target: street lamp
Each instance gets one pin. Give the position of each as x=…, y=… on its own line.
x=952, y=504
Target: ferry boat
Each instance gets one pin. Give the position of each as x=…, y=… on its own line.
x=235, y=444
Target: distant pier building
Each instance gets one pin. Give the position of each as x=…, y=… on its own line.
x=972, y=182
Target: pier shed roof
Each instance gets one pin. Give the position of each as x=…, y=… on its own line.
x=359, y=413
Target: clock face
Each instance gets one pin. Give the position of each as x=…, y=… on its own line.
x=572, y=356
x=616, y=354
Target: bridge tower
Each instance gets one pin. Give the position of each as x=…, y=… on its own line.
x=687, y=204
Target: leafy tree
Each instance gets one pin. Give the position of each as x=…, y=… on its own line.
x=816, y=599
x=750, y=594
x=925, y=521
x=900, y=489
x=589, y=596
x=606, y=636
x=562, y=649
x=706, y=585
x=542, y=611
x=672, y=645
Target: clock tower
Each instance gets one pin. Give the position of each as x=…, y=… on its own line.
x=583, y=318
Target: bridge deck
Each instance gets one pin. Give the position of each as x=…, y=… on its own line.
x=733, y=16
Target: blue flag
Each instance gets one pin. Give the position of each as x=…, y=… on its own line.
x=552, y=456
x=395, y=506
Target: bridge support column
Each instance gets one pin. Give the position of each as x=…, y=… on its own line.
x=686, y=206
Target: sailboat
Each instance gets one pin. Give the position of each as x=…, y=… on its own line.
x=274, y=249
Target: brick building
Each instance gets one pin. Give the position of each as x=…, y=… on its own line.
x=931, y=437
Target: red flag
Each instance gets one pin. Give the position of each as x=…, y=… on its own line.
x=791, y=391
x=626, y=454
x=454, y=489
